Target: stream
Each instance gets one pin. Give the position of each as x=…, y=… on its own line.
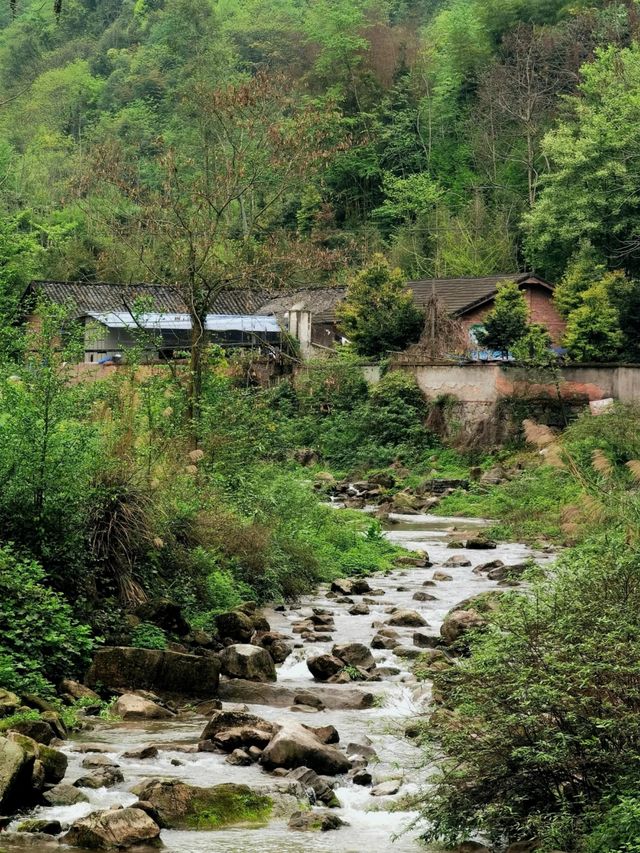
x=372, y=826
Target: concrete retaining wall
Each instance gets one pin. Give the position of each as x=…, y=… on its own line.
x=478, y=393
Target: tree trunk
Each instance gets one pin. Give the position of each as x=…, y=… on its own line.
x=198, y=342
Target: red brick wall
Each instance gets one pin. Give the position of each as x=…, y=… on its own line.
x=541, y=310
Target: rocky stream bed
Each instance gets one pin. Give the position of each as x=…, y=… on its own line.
x=370, y=718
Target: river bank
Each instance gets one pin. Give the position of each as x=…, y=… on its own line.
x=373, y=823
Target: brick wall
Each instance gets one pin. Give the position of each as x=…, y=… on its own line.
x=541, y=310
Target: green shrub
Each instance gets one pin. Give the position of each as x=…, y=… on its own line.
x=545, y=721
x=618, y=831
x=40, y=641
x=148, y=636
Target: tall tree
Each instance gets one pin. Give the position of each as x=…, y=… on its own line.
x=205, y=217
x=591, y=191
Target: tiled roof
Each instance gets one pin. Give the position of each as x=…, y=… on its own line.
x=317, y=300
x=461, y=294
x=457, y=294
x=88, y=297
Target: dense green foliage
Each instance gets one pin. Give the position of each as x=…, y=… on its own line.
x=40, y=642
x=545, y=709
x=101, y=489
x=460, y=138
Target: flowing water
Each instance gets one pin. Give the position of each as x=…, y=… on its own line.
x=373, y=826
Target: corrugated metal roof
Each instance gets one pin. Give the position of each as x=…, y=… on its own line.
x=159, y=321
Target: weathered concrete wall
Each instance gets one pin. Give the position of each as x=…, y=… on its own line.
x=477, y=394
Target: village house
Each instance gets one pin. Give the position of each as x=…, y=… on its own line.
x=114, y=321
x=469, y=299
x=254, y=318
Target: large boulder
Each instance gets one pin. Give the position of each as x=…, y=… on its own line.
x=246, y=661
x=407, y=619
x=295, y=746
x=323, y=667
x=457, y=623
x=182, y=806
x=231, y=730
x=16, y=768
x=134, y=707
x=235, y=625
x=354, y=654
x=121, y=667
x=117, y=829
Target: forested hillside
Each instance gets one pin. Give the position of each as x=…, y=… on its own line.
x=460, y=138
x=147, y=513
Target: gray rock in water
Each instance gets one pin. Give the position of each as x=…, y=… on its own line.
x=407, y=652
x=361, y=777
x=64, y=795
x=295, y=746
x=134, y=707
x=239, y=758
x=457, y=562
x=322, y=667
x=386, y=789
x=354, y=654
x=309, y=699
x=407, y=619
x=322, y=792
x=141, y=754
x=107, y=777
x=425, y=641
x=45, y=827
x=249, y=662
x=315, y=821
x=93, y=761
x=120, y=828
x=423, y=596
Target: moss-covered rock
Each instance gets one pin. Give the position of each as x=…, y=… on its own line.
x=182, y=806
